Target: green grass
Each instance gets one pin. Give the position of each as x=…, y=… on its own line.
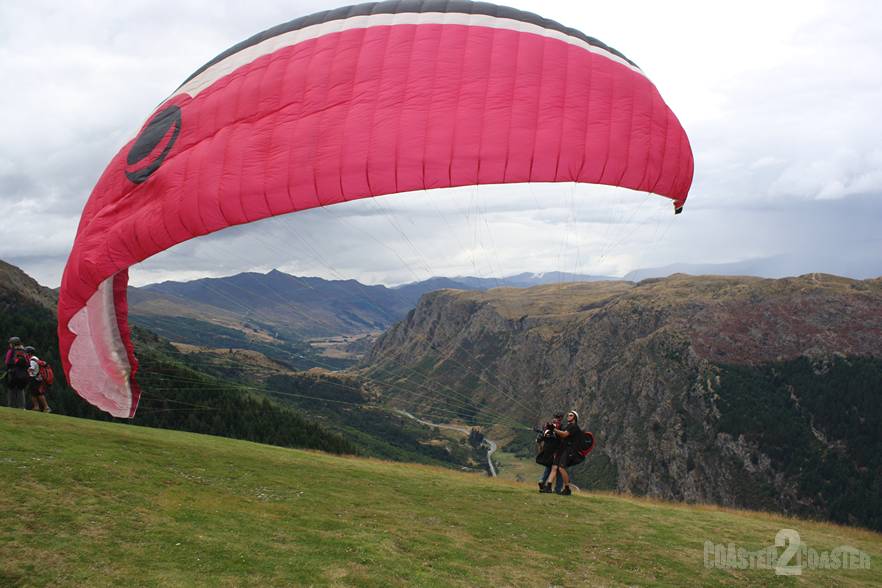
x=87, y=503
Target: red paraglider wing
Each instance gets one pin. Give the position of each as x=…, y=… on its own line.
x=362, y=101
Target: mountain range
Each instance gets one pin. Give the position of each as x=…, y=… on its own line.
x=285, y=311
x=279, y=314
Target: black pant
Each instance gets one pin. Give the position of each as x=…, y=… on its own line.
x=15, y=395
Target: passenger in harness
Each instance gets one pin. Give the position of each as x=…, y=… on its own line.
x=547, y=445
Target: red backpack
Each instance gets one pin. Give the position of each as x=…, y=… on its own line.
x=18, y=369
x=581, y=449
x=586, y=445
x=46, y=373
x=20, y=359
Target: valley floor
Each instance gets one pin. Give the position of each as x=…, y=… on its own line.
x=86, y=503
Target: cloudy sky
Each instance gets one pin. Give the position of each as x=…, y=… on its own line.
x=780, y=100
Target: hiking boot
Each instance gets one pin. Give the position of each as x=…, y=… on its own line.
x=545, y=489
x=566, y=491
x=541, y=486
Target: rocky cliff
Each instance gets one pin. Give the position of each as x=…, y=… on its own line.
x=712, y=389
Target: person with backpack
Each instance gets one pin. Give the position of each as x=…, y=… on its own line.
x=17, y=378
x=13, y=341
x=571, y=439
x=40, y=378
x=547, y=445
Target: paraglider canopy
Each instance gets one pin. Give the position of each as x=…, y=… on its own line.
x=360, y=101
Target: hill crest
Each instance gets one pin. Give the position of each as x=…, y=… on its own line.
x=101, y=503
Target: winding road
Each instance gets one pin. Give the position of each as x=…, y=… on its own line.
x=491, y=446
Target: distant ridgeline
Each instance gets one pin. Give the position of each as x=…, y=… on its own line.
x=738, y=391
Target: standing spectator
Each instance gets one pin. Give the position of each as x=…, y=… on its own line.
x=36, y=386
x=17, y=365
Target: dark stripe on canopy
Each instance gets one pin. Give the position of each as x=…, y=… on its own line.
x=408, y=6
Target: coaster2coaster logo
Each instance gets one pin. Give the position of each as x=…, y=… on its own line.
x=795, y=557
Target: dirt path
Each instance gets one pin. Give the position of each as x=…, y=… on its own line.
x=491, y=445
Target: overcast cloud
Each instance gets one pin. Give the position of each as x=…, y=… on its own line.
x=780, y=100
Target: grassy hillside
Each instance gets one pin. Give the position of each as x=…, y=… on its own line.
x=92, y=503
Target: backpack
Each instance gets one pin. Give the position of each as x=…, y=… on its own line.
x=20, y=359
x=46, y=373
x=583, y=446
x=586, y=444
x=18, y=370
